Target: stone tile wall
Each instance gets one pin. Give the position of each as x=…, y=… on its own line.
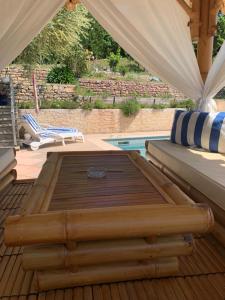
x=106, y=120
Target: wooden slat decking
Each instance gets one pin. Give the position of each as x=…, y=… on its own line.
x=202, y=276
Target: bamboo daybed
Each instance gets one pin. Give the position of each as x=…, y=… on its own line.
x=131, y=224
x=200, y=174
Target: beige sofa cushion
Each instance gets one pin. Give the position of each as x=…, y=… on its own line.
x=203, y=170
x=6, y=157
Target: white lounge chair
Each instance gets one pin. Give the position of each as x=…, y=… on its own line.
x=45, y=135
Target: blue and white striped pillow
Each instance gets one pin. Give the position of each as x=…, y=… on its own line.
x=199, y=129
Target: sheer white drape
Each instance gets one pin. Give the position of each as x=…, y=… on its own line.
x=215, y=81
x=156, y=34
x=20, y=22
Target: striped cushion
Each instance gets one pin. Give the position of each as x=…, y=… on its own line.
x=199, y=129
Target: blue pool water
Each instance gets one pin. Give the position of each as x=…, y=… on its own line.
x=136, y=143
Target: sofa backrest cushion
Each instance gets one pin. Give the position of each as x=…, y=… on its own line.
x=199, y=129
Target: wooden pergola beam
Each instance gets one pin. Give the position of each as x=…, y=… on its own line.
x=71, y=4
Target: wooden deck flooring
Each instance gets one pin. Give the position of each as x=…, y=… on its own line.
x=202, y=276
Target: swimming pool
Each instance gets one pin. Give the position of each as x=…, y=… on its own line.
x=134, y=143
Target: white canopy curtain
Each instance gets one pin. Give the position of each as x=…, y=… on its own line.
x=215, y=81
x=156, y=34
x=20, y=22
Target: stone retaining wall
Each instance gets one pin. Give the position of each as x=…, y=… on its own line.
x=106, y=120
x=125, y=88
x=24, y=88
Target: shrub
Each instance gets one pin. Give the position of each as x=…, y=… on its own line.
x=100, y=104
x=114, y=60
x=188, y=104
x=77, y=61
x=133, y=66
x=88, y=105
x=82, y=91
x=123, y=70
x=159, y=106
x=130, y=107
x=61, y=74
x=26, y=105
x=60, y=104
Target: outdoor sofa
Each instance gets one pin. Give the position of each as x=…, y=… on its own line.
x=200, y=174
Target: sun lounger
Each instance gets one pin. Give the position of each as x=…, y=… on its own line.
x=44, y=135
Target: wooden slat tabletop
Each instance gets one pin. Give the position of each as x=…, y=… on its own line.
x=124, y=184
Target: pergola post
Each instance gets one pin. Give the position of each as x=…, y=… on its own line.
x=205, y=42
x=203, y=19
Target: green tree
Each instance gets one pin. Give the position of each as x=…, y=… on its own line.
x=58, y=38
x=114, y=60
x=98, y=41
x=220, y=36
x=56, y=43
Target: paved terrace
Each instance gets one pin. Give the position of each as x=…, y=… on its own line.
x=29, y=162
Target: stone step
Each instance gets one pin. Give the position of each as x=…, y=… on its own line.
x=5, y=130
x=5, y=114
x=5, y=122
x=6, y=137
x=4, y=127
x=5, y=109
x=7, y=144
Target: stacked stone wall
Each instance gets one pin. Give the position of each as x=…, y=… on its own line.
x=24, y=88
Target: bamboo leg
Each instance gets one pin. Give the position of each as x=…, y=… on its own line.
x=46, y=257
x=107, y=223
x=106, y=273
x=70, y=246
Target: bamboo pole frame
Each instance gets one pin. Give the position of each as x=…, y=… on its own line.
x=219, y=227
x=189, y=190
x=107, y=223
x=171, y=192
x=71, y=4
x=8, y=169
x=106, y=273
x=10, y=177
x=48, y=257
x=39, y=198
x=95, y=153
